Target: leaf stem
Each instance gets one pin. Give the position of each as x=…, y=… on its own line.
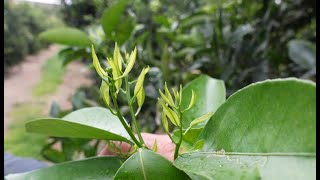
x=176, y=151
x=122, y=120
x=134, y=120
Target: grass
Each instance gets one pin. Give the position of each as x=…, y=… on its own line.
x=52, y=77
x=18, y=141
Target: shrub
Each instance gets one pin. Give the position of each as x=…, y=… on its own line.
x=22, y=24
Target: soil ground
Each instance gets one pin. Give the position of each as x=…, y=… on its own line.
x=18, y=86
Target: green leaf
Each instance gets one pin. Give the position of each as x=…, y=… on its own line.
x=166, y=100
x=131, y=62
x=112, y=16
x=53, y=155
x=189, y=139
x=145, y=164
x=271, y=116
x=117, y=58
x=303, y=53
x=70, y=54
x=168, y=95
x=164, y=122
x=91, y=168
x=263, y=131
x=154, y=146
x=172, y=115
x=66, y=36
x=90, y=123
x=197, y=145
x=210, y=95
x=138, y=89
x=123, y=30
x=104, y=89
x=97, y=65
x=115, y=73
x=192, y=100
x=266, y=167
x=201, y=119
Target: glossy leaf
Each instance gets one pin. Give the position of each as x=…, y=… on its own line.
x=91, y=123
x=145, y=164
x=210, y=94
x=92, y=168
x=266, y=167
x=66, y=36
x=303, y=53
x=271, y=116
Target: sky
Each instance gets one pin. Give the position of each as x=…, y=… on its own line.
x=45, y=1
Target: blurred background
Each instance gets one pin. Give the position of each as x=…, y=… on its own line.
x=47, y=55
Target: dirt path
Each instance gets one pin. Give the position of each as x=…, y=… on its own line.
x=18, y=86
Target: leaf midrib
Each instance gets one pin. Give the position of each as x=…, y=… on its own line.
x=142, y=165
x=256, y=154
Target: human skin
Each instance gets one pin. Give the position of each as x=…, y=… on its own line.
x=164, y=144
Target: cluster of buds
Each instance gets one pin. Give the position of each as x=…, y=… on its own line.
x=172, y=109
x=112, y=80
x=116, y=74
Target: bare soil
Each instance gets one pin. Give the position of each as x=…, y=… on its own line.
x=18, y=86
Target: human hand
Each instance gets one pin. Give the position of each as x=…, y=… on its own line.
x=164, y=144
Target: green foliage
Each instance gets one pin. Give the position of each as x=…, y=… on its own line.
x=145, y=164
x=211, y=165
x=271, y=112
x=302, y=53
x=210, y=94
x=259, y=132
x=66, y=36
x=91, y=168
x=116, y=26
x=238, y=42
x=90, y=123
x=80, y=13
x=17, y=141
x=22, y=24
x=235, y=41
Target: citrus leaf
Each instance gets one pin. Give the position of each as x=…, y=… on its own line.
x=90, y=123
x=210, y=95
x=145, y=164
x=91, y=168
x=66, y=36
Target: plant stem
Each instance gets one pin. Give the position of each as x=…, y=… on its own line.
x=122, y=120
x=134, y=120
x=176, y=151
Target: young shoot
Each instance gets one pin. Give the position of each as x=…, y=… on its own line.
x=172, y=110
x=113, y=80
